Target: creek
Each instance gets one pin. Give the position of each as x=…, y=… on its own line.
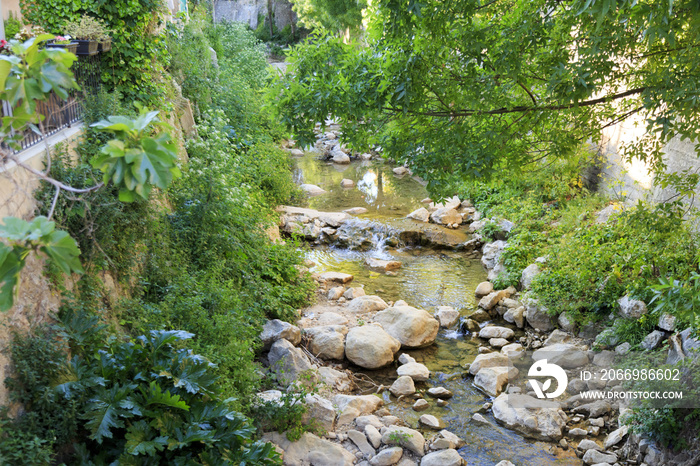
x=427, y=279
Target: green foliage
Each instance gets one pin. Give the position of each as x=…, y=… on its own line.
x=12, y=25
x=39, y=235
x=679, y=298
x=332, y=15
x=467, y=89
x=134, y=161
x=87, y=28
x=285, y=414
x=141, y=400
x=20, y=447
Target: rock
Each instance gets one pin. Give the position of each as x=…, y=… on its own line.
x=586, y=444
x=276, y=329
x=387, y=457
x=430, y=421
x=311, y=450
x=498, y=342
x=595, y=409
x=653, y=340
x=489, y=301
x=453, y=203
x=489, y=360
x=359, y=439
x=455, y=442
x=414, y=328
x=403, y=386
x=691, y=346
x=514, y=351
x=369, y=346
x=505, y=463
x=448, y=457
x=335, y=293
x=483, y=289
x=352, y=293
x=373, y=435
x=351, y=407
x=480, y=419
x=496, y=332
x=446, y=216
x=631, y=308
x=539, y=419
x=492, y=380
x=340, y=158
x=421, y=405
x=564, y=355
x=368, y=420
x=365, y=304
x=515, y=316
x=406, y=438
x=296, y=153
x=406, y=358
x=471, y=326
x=336, y=277
x=509, y=303
x=336, y=380
x=566, y=323
x=319, y=413
x=422, y=215
x=604, y=215
x=379, y=264
x=269, y=396
x=576, y=386
x=346, y=183
x=623, y=348
x=491, y=253
x=480, y=316
x=529, y=274
x=667, y=322
x=327, y=343
x=312, y=189
x=289, y=362
x=675, y=350
x=415, y=370
x=577, y=432
x=557, y=336
x=356, y=211
x=401, y=171
x=447, y=316
x=537, y=316
x=604, y=359
x=440, y=392
x=597, y=457
x=615, y=437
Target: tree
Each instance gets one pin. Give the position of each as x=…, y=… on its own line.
x=332, y=15
x=135, y=160
x=465, y=88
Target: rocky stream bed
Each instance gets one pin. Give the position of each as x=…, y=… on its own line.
x=418, y=359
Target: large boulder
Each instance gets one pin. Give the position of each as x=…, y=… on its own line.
x=371, y=347
x=483, y=289
x=310, y=450
x=448, y=457
x=327, y=342
x=367, y=303
x=490, y=301
x=276, y=329
x=312, y=189
x=534, y=418
x=515, y=316
x=491, y=253
x=404, y=437
x=414, y=328
x=492, y=380
x=422, y=215
x=336, y=380
x=529, y=274
x=319, y=412
x=494, y=331
x=447, y=316
x=403, y=386
x=350, y=406
x=340, y=158
x=631, y=308
x=289, y=363
x=336, y=277
x=383, y=265
x=414, y=370
x=489, y=360
x=537, y=316
x=565, y=355
x=446, y=216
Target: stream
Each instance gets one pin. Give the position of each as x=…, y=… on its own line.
x=427, y=279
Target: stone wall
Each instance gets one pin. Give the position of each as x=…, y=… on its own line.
x=248, y=11
x=631, y=181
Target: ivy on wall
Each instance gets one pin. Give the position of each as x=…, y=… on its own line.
x=130, y=67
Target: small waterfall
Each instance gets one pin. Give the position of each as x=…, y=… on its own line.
x=366, y=235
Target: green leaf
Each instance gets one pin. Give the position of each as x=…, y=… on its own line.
x=140, y=441
x=154, y=395
x=63, y=251
x=10, y=268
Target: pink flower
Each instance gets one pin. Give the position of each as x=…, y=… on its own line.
x=3, y=43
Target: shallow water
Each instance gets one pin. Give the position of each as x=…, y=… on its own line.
x=427, y=279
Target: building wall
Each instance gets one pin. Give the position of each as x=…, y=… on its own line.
x=10, y=5
x=248, y=11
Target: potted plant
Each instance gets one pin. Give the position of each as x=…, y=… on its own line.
x=89, y=32
x=60, y=42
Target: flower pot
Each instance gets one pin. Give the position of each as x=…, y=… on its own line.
x=72, y=47
x=87, y=47
x=105, y=45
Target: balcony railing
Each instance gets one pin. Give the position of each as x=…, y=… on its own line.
x=59, y=113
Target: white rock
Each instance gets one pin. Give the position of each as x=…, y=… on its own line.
x=365, y=304
x=403, y=386
x=529, y=274
x=351, y=407
x=340, y=158
x=360, y=440
x=337, y=277
x=498, y=342
x=492, y=380
x=597, y=457
x=631, y=308
x=539, y=419
x=565, y=355
x=440, y=392
x=496, y=332
x=406, y=438
x=312, y=189
x=615, y=437
x=383, y=265
x=352, y=293
x=331, y=318
x=483, y=289
x=310, y=449
x=514, y=351
x=387, y=457
x=373, y=435
x=276, y=329
x=356, y=211
x=447, y=316
x=422, y=215
x=335, y=293
x=489, y=360
x=667, y=322
x=319, y=412
x=515, y=316
x=447, y=457
x=327, y=343
x=369, y=346
x=491, y=253
x=296, y=153
x=414, y=328
x=537, y=316
x=430, y=421
x=417, y=371
x=446, y=216
x=400, y=171
x=490, y=301
x=346, y=183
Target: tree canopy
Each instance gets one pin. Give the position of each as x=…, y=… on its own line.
x=332, y=15
x=464, y=88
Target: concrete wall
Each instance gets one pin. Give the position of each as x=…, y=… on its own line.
x=247, y=11
x=10, y=6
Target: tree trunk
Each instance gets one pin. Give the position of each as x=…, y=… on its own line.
x=269, y=17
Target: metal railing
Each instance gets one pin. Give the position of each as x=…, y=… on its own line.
x=62, y=113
